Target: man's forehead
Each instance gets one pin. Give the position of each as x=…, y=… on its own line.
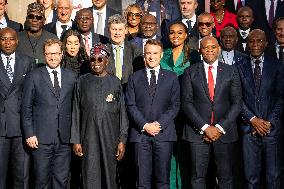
x=149, y=18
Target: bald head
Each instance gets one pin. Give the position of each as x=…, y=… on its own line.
x=209, y=49
x=9, y=30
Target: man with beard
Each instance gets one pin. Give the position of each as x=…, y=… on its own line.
x=32, y=39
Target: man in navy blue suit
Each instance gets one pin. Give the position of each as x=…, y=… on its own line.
x=262, y=80
x=46, y=118
x=153, y=101
x=211, y=100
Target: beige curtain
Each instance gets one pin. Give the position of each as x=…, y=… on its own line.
x=17, y=9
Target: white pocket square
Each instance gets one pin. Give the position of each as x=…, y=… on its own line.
x=24, y=75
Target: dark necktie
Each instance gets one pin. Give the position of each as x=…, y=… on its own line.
x=211, y=90
x=239, y=4
x=244, y=35
x=56, y=83
x=9, y=70
x=189, y=27
x=257, y=75
x=281, y=54
x=64, y=28
x=153, y=84
x=271, y=13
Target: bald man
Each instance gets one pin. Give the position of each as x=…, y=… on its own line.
x=262, y=80
x=211, y=100
x=13, y=68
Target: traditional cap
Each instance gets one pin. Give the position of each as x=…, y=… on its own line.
x=99, y=49
x=35, y=7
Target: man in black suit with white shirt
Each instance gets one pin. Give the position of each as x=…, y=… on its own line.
x=13, y=68
x=4, y=19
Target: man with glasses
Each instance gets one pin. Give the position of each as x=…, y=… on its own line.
x=31, y=40
x=149, y=29
x=63, y=23
x=5, y=21
x=46, y=118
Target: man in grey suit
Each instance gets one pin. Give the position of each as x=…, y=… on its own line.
x=46, y=118
x=211, y=100
x=13, y=68
x=125, y=57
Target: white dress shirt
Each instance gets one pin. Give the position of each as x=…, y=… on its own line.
x=214, y=73
x=228, y=57
x=157, y=70
x=3, y=22
x=267, y=7
x=236, y=3
x=103, y=11
x=59, y=29
x=192, y=19
x=58, y=69
x=12, y=60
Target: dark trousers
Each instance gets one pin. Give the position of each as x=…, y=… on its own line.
x=13, y=153
x=200, y=153
x=256, y=148
x=153, y=157
x=52, y=165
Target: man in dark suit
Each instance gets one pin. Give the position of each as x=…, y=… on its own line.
x=46, y=118
x=262, y=80
x=277, y=49
x=124, y=56
x=64, y=9
x=149, y=29
x=228, y=41
x=4, y=19
x=245, y=20
x=84, y=24
x=13, y=68
x=153, y=102
x=211, y=100
x=101, y=12
x=264, y=13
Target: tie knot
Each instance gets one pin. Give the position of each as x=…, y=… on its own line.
x=64, y=27
x=8, y=58
x=188, y=22
x=54, y=72
x=152, y=72
x=210, y=68
x=99, y=13
x=117, y=48
x=257, y=62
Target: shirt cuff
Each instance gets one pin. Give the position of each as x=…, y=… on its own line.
x=204, y=128
x=252, y=118
x=143, y=128
x=220, y=128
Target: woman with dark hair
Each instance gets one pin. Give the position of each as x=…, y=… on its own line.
x=222, y=17
x=133, y=14
x=75, y=57
x=177, y=59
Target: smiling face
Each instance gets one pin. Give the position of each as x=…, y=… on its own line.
x=152, y=55
x=205, y=25
x=256, y=43
x=72, y=45
x=98, y=64
x=99, y=4
x=53, y=55
x=217, y=4
x=279, y=32
x=117, y=33
x=8, y=41
x=134, y=17
x=209, y=49
x=177, y=34
x=149, y=26
x=64, y=10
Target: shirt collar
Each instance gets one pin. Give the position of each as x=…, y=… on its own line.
x=114, y=46
x=58, y=69
x=261, y=58
x=103, y=10
x=192, y=19
x=3, y=21
x=157, y=69
x=69, y=24
x=214, y=65
x=12, y=56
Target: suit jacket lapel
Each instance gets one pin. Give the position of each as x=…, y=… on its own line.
x=219, y=79
x=267, y=72
x=144, y=81
x=111, y=65
x=248, y=73
x=160, y=81
x=203, y=79
x=64, y=80
x=18, y=68
x=47, y=79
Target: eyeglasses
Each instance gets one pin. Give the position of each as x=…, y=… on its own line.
x=53, y=54
x=207, y=24
x=37, y=17
x=131, y=14
x=84, y=18
x=99, y=59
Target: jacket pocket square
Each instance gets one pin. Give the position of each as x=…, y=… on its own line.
x=24, y=75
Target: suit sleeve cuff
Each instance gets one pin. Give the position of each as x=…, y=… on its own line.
x=220, y=128
x=204, y=128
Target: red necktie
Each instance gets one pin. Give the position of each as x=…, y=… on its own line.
x=211, y=89
x=239, y=4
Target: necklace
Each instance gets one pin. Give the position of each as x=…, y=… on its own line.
x=221, y=17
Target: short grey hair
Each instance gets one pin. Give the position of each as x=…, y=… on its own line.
x=57, y=1
x=117, y=19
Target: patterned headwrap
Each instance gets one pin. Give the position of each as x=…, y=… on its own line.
x=35, y=7
x=99, y=49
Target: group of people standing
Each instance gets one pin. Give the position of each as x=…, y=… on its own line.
x=145, y=99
